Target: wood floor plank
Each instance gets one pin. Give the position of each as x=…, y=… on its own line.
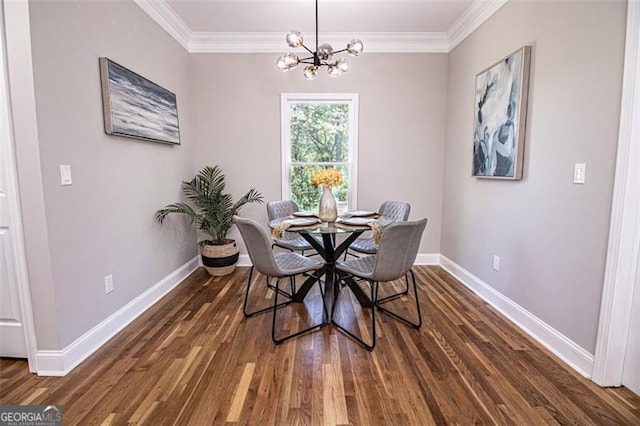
x=194, y=359
x=333, y=396
x=33, y=396
x=241, y=393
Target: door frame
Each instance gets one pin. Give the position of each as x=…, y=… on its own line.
x=15, y=216
x=624, y=230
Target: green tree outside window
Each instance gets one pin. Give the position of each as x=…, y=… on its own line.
x=319, y=138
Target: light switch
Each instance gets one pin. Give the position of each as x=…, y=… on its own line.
x=65, y=175
x=579, y=173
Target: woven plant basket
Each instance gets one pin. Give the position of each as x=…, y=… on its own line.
x=220, y=260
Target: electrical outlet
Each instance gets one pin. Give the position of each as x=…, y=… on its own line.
x=496, y=263
x=108, y=284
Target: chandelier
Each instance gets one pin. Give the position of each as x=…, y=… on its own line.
x=321, y=57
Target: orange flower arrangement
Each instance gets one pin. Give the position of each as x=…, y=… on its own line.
x=327, y=177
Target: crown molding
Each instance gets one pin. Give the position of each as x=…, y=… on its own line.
x=471, y=19
x=266, y=42
x=405, y=42
x=236, y=42
x=168, y=19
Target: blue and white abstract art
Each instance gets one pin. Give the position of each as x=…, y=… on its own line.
x=136, y=107
x=500, y=117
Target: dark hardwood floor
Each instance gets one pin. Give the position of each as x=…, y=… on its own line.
x=193, y=359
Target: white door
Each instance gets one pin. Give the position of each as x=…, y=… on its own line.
x=12, y=337
x=631, y=372
x=12, y=330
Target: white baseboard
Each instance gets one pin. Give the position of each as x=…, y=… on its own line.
x=59, y=363
x=567, y=350
x=244, y=260
x=427, y=259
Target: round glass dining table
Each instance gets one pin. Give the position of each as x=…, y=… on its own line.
x=330, y=240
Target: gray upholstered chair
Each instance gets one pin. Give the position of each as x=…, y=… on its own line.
x=279, y=265
x=396, y=253
x=394, y=211
x=291, y=241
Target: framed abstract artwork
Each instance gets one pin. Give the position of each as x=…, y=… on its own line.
x=136, y=107
x=500, y=117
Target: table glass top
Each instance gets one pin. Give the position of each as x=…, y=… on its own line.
x=329, y=228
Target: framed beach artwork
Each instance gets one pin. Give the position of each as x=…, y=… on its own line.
x=136, y=107
x=500, y=117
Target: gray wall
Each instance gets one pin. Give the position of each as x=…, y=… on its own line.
x=551, y=235
x=402, y=98
x=104, y=223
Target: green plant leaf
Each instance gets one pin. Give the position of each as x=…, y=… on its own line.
x=210, y=209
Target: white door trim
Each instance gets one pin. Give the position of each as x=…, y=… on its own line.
x=624, y=230
x=15, y=216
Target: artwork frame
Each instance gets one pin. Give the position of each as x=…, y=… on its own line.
x=136, y=107
x=500, y=115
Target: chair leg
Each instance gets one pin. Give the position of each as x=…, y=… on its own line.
x=417, y=324
x=259, y=311
x=374, y=295
x=284, y=293
x=276, y=340
x=396, y=295
x=351, y=253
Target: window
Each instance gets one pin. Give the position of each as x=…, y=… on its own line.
x=319, y=130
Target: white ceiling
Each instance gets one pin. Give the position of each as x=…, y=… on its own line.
x=333, y=15
x=254, y=26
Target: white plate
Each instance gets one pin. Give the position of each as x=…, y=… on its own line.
x=360, y=213
x=305, y=214
x=356, y=221
x=302, y=222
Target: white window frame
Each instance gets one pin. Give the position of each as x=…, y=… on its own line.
x=351, y=99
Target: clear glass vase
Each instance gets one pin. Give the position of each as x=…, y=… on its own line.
x=327, y=210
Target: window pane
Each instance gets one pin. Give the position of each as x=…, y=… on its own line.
x=319, y=133
x=307, y=197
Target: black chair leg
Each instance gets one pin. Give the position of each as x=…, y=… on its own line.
x=350, y=253
x=374, y=295
x=417, y=324
x=276, y=340
x=396, y=295
x=259, y=311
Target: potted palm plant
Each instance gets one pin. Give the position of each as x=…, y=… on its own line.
x=211, y=211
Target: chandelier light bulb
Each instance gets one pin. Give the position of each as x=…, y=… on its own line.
x=343, y=65
x=333, y=70
x=291, y=60
x=325, y=51
x=355, y=47
x=294, y=38
x=310, y=72
x=281, y=64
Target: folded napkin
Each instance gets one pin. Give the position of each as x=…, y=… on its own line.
x=280, y=229
x=377, y=229
x=299, y=223
x=376, y=226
